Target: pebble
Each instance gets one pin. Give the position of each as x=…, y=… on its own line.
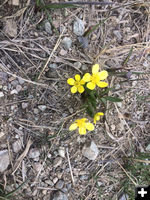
x=113, y=127
x=79, y=27
x=53, y=65
x=4, y=160
x=59, y=185
x=1, y=94
x=10, y=28
x=62, y=52
x=14, y=91
x=59, y=196
x=90, y=152
x=61, y=151
x=77, y=65
x=55, y=180
x=5, y=88
x=67, y=42
x=17, y=146
x=148, y=148
x=1, y=134
x=14, y=83
x=84, y=42
x=57, y=162
x=34, y=153
x=18, y=88
x=124, y=197
x=42, y=107
x=37, y=166
x=49, y=182
x=21, y=81
x=48, y=28
x=117, y=34
x=24, y=105
x=71, y=110
x=84, y=67
x=36, y=111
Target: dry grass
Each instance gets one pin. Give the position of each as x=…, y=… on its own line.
x=125, y=133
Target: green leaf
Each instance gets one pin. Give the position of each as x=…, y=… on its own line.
x=112, y=99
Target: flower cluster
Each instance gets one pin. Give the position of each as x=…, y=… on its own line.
x=79, y=84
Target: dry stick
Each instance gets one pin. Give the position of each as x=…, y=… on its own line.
x=72, y=178
x=56, y=46
x=125, y=172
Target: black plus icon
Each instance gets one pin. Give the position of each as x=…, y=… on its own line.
x=142, y=193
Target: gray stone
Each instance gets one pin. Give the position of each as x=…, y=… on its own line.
x=48, y=28
x=37, y=166
x=49, y=182
x=124, y=197
x=36, y=111
x=17, y=146
x=14, y=91
x=67, y=42
x=84, y=67
x=24, y=105
x=90, y=152
x=59, y=185
x=18, y=88
x=57, y=162
x=34, y=153
x=77, y=65
x=55, y=180
x=42, y=107
x=59, y=196
x=79, y=27
x=61, y=151
x=53, y=65
x=1, y=94
x=148, y=148
x=14, y=83
x=21, y=81
x=117, y=34
x=4, y=160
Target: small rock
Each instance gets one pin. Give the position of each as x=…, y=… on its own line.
x=84, y=42
x=14, y=91
x=49, y=182
x=113, y=127
x=21, y=81
x=117, y=34
x=24, y=105
x=48, y=28
x=59, y=185
x=37, y=166
x=14, y=83
x=1, y=94
x=59, y=196
x=146, y=64
x=84, y=177
x=34, y=153
x=61, y=151
x=84, y=67
x=124, y=197
x=1, y=134
x=53, y=65
x=17, y=146
x=67, y=42
x=71, y=110
x=5, y=88
x=4, y=160
x=134, y=83
x=36, y=111
x=42, y=107
x=55, y=180
x=62, y=52
x=10, y=28
x=18, y=88
x=148, y=148
x=15, y=2
x=57, y=162
x=79, y=27
x=77, y=65
x=91, y=152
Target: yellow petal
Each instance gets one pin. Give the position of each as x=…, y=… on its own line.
x=77, y=77
x=102, y=84
x=82, y=82
x=103, y=75
x=91, y=85
x=82, y=131
x=89, y=126
x=95, y=69
x=73, y=127
x=70, y=81
x=100, y=113
x=73, y=89
x=81, y=89
x=86, y=77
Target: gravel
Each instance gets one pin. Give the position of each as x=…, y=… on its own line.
x=59, y=185
x=1, y=94
x=59, y=196
x=79, y=27
x=67, y=42
x=48, y=28
x=17, y=146
x=4, y=160
x=90, y=152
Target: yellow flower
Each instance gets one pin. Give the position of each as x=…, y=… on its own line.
x=97, y=116
x=77, y=84
x=96, y=78
x=83, y=124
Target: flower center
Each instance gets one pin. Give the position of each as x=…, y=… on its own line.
x=77, y=83
x=95, y=78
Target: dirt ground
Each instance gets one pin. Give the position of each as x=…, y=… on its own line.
x=36, y=106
